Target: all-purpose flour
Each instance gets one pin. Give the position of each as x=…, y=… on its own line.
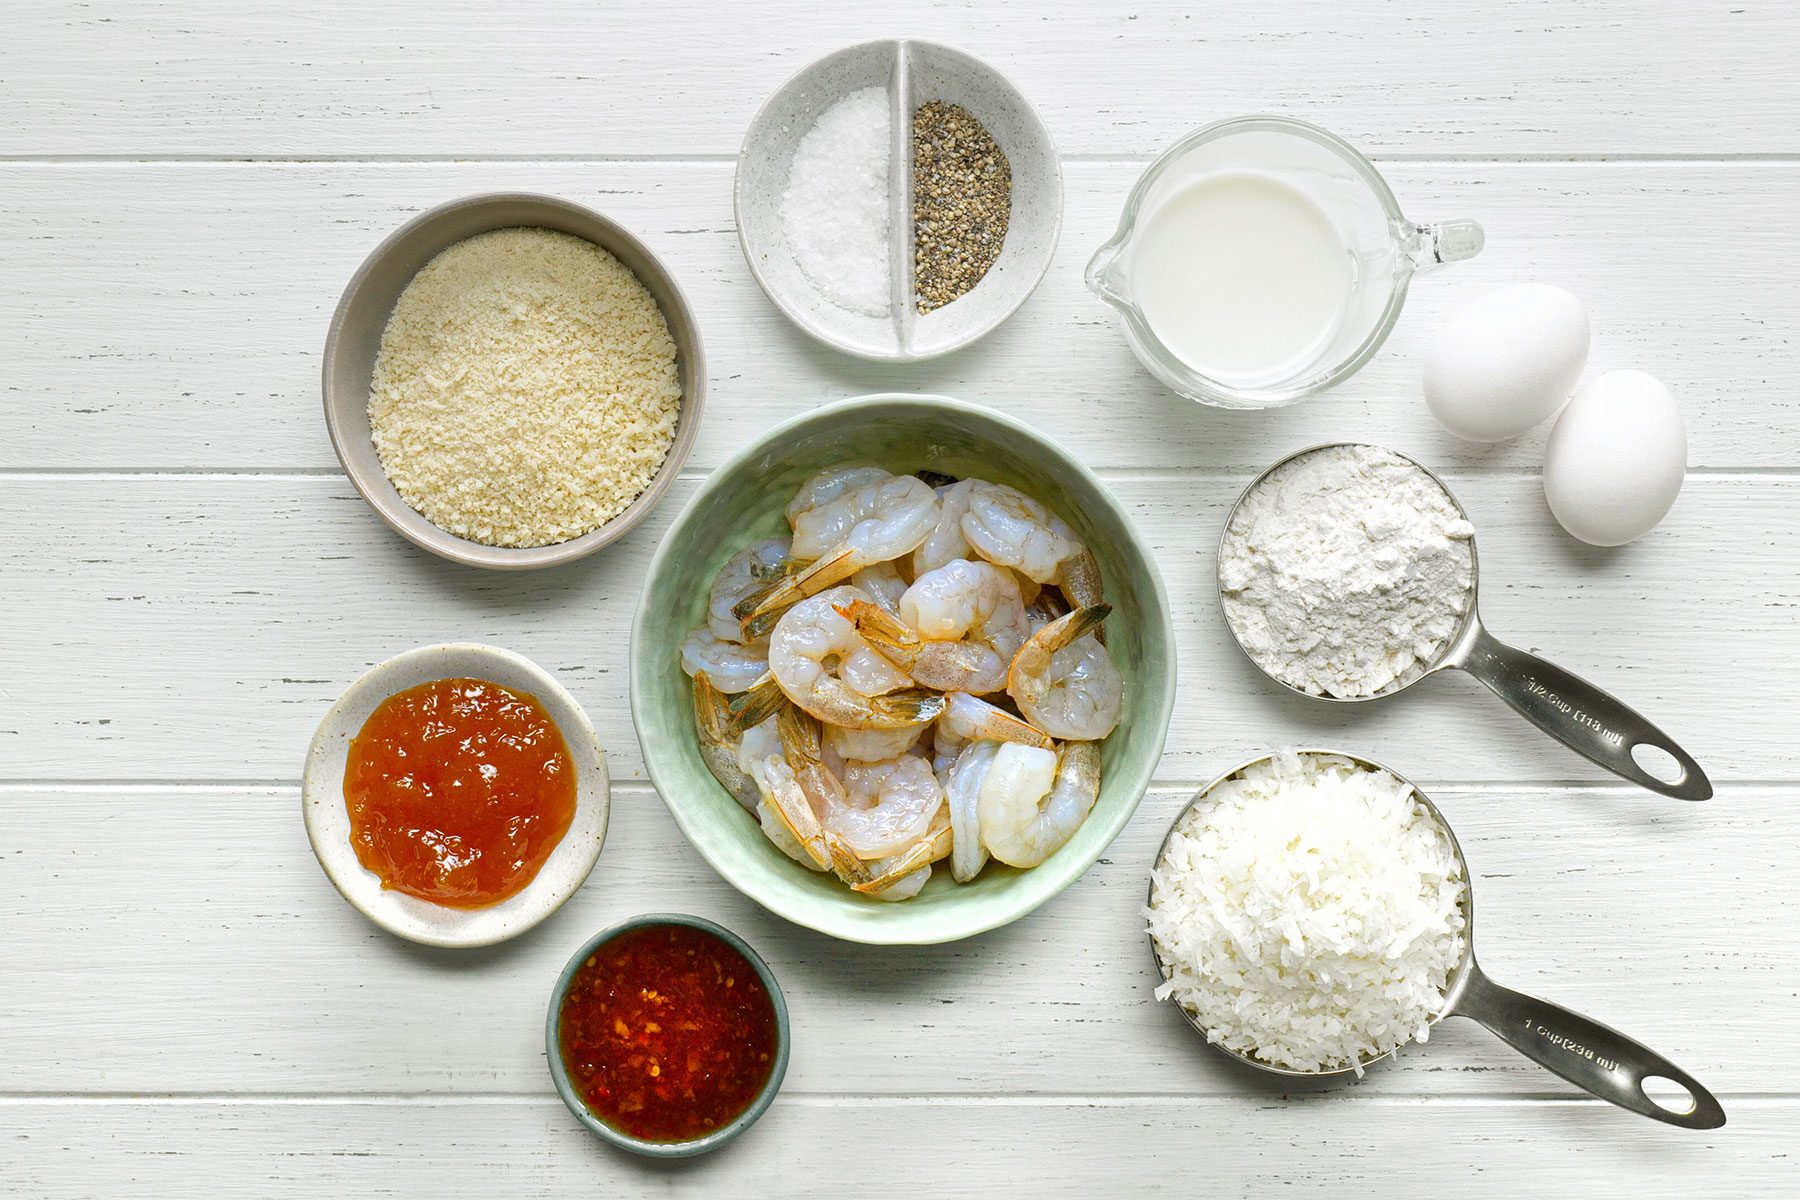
x=1346, y=571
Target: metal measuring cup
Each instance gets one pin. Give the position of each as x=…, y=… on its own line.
x=1594, y=1057
x=1589, y=721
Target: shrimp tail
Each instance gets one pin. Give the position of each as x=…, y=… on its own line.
x=717, y=742
x=911, y=706
x=751, y=708
x=1066, y=630
x=802, y=743
x=921, y=853
x=952, y=666
x=886, y=634
x=823, y=573
x=1079, y=578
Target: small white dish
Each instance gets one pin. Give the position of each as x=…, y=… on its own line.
x=328, y=819
x=913, y=73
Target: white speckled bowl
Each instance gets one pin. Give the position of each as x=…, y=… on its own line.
x=913, y=73
x=328, y=819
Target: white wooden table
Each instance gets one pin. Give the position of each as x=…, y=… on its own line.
x=186, y=580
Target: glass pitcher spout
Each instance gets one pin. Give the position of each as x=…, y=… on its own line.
x=1106, y=278
x=1429, y=246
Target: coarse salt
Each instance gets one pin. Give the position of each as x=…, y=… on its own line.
x=835, y=210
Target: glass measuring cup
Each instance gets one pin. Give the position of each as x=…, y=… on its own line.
x=1592, y=1056
x=1589, y=721
x=1385, y=251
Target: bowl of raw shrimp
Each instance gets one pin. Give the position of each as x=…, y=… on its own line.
x=902, y=669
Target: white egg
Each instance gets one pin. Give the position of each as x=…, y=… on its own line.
x=1615, y=459
x=1506, y=361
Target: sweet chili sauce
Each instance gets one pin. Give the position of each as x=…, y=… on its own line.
x=667, y=1033
x=458, y=790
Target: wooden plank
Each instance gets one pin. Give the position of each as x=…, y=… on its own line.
x=193, y=627
x=184, y=940
x=977, y=1149
x=549, y=77
x=133, y=342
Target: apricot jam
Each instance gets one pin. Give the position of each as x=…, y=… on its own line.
x=667, y=1033
x=458, y=790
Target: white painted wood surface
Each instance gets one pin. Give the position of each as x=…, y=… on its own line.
x=188, y=581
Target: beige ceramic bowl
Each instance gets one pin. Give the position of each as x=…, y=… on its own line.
x=362, y=315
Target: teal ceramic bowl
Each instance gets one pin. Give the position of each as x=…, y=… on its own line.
x=715, y=1139
x=744, y=501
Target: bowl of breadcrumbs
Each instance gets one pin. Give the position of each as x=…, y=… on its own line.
x=512, y=381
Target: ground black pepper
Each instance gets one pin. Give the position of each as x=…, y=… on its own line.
x=962, y=201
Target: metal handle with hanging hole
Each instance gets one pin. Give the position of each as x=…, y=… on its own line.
x=1592, y=1056
x=1579, y=715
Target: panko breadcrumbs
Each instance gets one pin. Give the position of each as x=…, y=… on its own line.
x=526, y=389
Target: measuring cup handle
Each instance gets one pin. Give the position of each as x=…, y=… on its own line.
x=1445, y=242
x=1581, y=716
x=1592, y=1056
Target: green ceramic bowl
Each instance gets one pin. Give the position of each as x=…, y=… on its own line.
x=743, y=501
x=712, y=1141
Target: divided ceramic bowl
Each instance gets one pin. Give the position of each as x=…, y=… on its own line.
x=328, y=819
x=743, y=502
x=911, y=73
x=362, y=316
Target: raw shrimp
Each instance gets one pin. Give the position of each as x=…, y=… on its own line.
x=1033, y=801
x=976, y=601
x=963, y=789
x=888, y=805
x=906, y=888
x=761, y=747
x=867, y=673
x=871, y=745
x=732, y=667
x=1064, y=681
x=807, y=653
x=883, y=583
x=787, y=809
x=875, y=523
x=968, y=719
x=1009, y=528
x=939, y=665
x=829, y=484
x=751, y=570
x=759, y=742
x=957, y=629
x=823, y=527
x=946, y=541
x=796, y=788
x=720, y=748
x=896, y=869
x=776, y=830
x=843, y=826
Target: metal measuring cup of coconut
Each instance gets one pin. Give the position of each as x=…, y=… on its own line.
x=1293, y=994
x=1347, y=572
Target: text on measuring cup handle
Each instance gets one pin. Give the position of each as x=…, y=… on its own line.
x=1570, y=1045
x=1574, y=713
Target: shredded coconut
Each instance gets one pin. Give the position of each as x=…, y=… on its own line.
x=1309, y=912
x=835, y=209
x=526, y=390
x=1346, y=571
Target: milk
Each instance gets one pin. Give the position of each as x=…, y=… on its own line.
x=1242, y=277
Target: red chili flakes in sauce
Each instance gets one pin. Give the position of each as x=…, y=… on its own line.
x=458, y=790
x=667, y=1033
